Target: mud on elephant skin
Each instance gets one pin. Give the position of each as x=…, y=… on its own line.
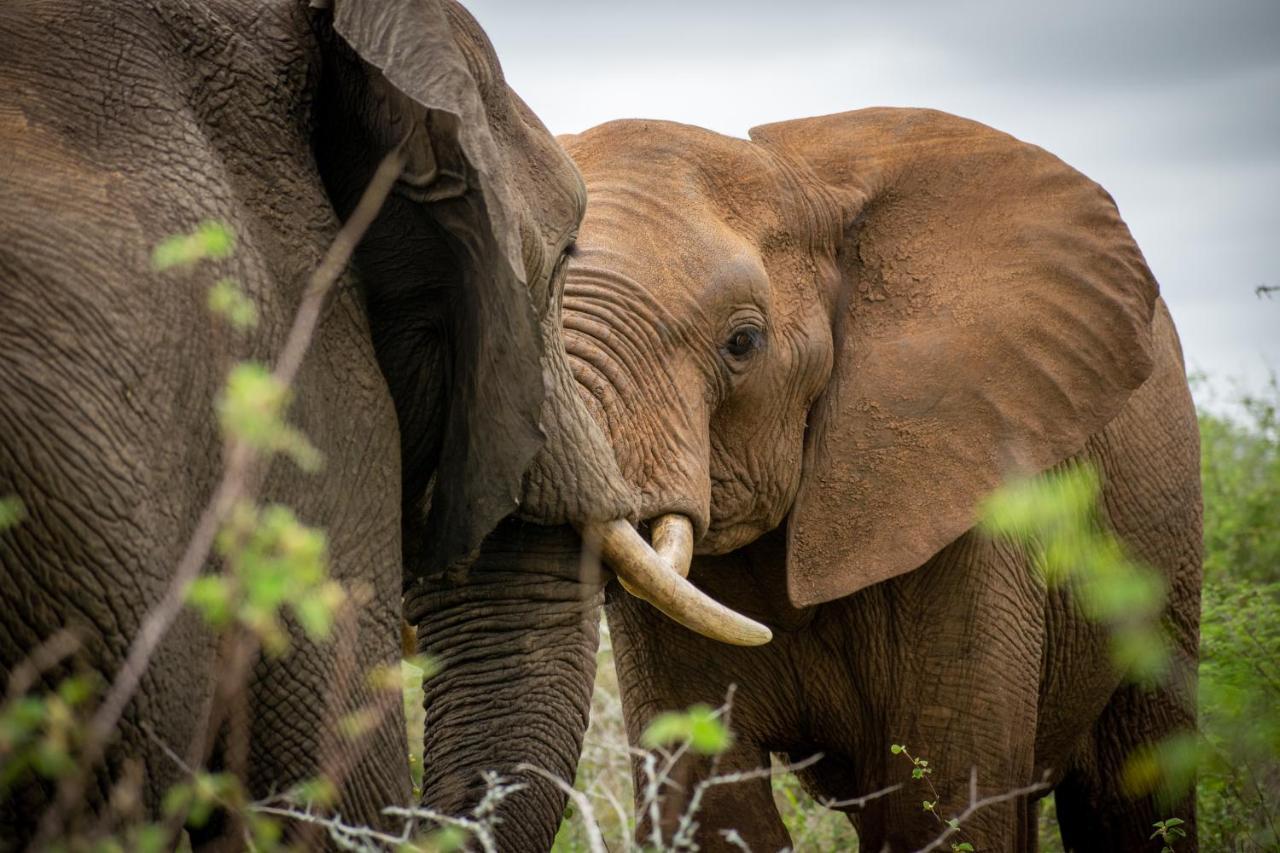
x=436, y=388
x=823, y=347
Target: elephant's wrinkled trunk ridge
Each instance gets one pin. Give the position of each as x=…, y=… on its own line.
x=657, y=574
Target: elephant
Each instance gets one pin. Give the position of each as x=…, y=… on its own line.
x=820, y=349
x=437, y=389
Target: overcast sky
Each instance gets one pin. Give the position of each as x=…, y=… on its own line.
x=1173, y=106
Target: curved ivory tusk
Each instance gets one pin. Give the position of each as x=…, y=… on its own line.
x=650, y=576
x=673, y=541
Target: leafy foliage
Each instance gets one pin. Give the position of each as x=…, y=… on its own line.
x=1055, y=517
x=274, y=563
x=252, y=409
x=210, y=241
x=700, y=726
x=1239, y=783
x=12, y=511
x=227, y=300
x=43, y=733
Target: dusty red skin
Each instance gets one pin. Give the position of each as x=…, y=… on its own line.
x=930, y=307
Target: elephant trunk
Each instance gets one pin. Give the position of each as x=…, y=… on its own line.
x=516, y=644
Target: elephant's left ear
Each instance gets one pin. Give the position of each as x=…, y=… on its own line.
x=441, y=69
x=993, y=312
x=414, y=45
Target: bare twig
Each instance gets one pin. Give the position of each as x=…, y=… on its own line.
x=595, y=841
x=46, y=656
x=484, y=817
x=683, y=837
x=976, y=805
x=346, y=836
x=480, y=824
x=859, y=802
x=238, y=479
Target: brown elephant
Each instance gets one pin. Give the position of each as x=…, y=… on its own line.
x=823, y=347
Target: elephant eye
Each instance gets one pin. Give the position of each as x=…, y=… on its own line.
x=569, y=252
x=744, y=341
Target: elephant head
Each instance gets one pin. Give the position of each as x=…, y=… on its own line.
x=855, y=326
x=464, y=271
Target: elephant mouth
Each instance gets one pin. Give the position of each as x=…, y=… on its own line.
x=658, y=574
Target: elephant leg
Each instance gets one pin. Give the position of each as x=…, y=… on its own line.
x=697, y=802
x=960, y=692
x=1094, y=813
x=664, y=667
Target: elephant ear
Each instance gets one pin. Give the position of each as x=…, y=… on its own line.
x=491, y=427
x=993, y=312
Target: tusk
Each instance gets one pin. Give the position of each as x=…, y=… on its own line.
x=650, y=576
x=673, y=541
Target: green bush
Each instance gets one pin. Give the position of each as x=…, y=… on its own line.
x=1239, y=790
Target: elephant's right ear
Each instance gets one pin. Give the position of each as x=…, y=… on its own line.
x=431, y=53
x=993, y=312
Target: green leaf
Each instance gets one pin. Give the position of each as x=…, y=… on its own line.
x=149, y=838
x=77, y=689
x=699, y=726
x=228, y=301
x=12, y=511
x=265, y=830
x=211, y=595
x=318, y=791
x=897, y=748
x=212, y=240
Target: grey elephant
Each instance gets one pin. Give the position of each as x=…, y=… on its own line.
x=821, y=349
x=437, y=389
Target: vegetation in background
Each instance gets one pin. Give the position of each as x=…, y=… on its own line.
x=1239, y=784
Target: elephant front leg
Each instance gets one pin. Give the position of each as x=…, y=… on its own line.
x=961, y=692
x=699, y=799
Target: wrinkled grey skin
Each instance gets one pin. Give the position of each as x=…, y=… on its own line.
x=435, y=388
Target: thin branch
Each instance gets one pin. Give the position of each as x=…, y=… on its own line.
x=338, y=831
x=976, y=805
x=234, y=485
x=595, y=841
x=484, y=817
x=860, y=802
x=685, y=828
x=62, y=645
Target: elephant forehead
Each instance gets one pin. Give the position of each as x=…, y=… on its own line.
x=679, y=167
x=670, y=250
